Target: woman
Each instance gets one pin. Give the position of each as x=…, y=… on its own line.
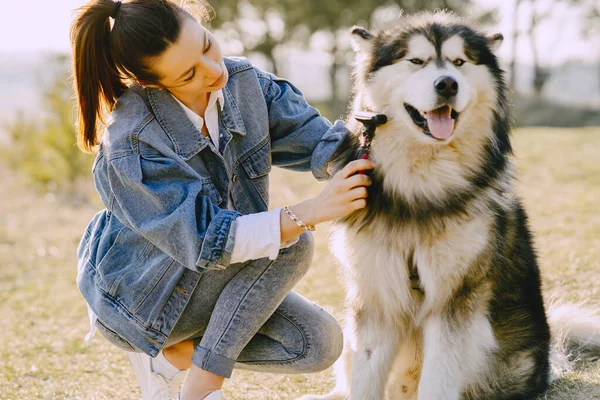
x=186, y=268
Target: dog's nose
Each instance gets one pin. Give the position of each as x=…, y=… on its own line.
x=446, y=86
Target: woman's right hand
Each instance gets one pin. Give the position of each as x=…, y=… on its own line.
x=344, y=194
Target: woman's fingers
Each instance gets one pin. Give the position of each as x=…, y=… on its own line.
x=358, y=193
x=354, y=166
x=358, y=204
x=346, y=192
x=357, y=181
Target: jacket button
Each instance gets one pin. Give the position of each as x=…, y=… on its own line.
x=234, y=179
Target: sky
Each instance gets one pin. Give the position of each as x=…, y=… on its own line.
x=47, y=29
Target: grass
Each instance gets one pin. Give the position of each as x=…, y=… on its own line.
x=43, y=317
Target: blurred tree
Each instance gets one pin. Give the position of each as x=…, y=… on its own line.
x=541, y=11
x=591, y=27
x=256, y=26
x=44, y=146
x=515, y=37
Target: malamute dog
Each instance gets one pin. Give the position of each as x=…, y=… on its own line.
x=443, y=287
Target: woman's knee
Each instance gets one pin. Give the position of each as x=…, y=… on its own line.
x=299, y=255
x=326, y=343
x=305, y=246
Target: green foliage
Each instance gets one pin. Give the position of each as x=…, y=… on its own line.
x=43, y=145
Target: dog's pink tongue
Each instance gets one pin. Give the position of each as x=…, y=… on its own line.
x=440, y=122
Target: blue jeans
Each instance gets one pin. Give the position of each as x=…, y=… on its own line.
x=247, y=317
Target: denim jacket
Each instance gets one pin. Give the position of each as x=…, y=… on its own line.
x=165, y=188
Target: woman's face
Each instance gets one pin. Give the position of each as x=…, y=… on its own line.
x=193, y=65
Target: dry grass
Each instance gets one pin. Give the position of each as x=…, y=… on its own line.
x=44, y=318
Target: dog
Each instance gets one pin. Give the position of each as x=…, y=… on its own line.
x=443, y=289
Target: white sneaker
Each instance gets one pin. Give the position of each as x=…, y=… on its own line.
x=216, y=395
x=154, y=386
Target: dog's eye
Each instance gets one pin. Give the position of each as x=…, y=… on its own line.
x=458, y=62
x=416, y=61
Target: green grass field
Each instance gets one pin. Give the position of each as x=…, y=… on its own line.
x=44, y=319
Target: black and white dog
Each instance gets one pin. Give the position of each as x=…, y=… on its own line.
x=443, y=287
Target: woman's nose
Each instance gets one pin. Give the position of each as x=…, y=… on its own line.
x=213, y=68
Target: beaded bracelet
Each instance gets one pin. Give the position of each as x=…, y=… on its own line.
x=301, y=224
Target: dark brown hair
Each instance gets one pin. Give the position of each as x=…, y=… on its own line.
x=106, y=57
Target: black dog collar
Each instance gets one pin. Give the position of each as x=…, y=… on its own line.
x=370, y=123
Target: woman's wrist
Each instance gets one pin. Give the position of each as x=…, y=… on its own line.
x=307, y=212
x=298, y=221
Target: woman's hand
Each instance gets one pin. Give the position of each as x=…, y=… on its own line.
x=344, y=194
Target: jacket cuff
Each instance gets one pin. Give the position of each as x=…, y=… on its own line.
x=325, y=149
x=217, y=245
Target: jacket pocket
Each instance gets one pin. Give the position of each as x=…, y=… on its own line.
x=257, y=165
x=138, y=275
x=127, y=253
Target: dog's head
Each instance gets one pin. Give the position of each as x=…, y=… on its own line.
x=433, y=72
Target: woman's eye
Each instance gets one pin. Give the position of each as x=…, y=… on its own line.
x=208, y=45
x=416, y=61
x=458, y=62
x=191, y=76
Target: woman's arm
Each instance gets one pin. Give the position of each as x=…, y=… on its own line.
x=164, y=201
x=301, y=139
x=264, y=234
x=344, y=194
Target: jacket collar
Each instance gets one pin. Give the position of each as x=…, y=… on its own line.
x=187, y=140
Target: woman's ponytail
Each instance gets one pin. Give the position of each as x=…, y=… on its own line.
x=98, y=83
x=105, y=58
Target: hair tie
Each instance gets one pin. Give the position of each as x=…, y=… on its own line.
x=115, y=9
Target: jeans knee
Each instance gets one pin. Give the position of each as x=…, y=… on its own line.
x=327, y=342
x=305, y=245
x=299, y=255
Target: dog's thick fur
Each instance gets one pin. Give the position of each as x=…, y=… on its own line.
x=443, y=208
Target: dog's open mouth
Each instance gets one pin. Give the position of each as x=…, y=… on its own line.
x=438, y=123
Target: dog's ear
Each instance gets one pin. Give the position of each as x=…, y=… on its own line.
x=362, y=39
x=494, y=41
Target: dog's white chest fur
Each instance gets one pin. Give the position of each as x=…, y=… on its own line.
x=377, y=271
